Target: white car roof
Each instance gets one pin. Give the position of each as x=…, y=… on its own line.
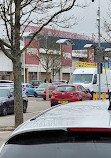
x=85, y=114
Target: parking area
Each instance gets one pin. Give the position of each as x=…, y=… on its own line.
x=35, y=106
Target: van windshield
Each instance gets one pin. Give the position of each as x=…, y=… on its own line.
x=81, y=78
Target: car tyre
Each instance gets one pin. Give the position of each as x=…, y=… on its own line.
x=52, y=104
x=44, y=98
x=4, y=110
x=24, y=107
x=35, y=95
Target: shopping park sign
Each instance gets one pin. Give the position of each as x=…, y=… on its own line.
x=66, y=55
x=32, y=52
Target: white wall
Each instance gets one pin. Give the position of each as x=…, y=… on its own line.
x=5, y=62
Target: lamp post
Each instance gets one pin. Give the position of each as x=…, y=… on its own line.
x=99, y=64
x=62, y=41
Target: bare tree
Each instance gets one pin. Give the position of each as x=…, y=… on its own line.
x=50, y=57
x=15, y=14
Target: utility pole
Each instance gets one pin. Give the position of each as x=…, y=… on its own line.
x=99, y=64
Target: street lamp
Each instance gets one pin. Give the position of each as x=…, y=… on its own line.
x=68, y=42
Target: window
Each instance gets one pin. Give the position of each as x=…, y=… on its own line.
x=65, y=89
x=59, y=144
x=95, y=79
x=81, y=78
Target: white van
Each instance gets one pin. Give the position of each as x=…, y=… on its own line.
x=89, y=78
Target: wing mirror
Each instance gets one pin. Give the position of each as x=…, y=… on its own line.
x=10, y=95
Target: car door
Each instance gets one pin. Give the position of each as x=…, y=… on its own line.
x=85, y=94
x=81, y=93
x=31, y=90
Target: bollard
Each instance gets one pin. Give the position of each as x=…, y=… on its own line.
x=104, y=96
x=93, y=96
x=96, y=96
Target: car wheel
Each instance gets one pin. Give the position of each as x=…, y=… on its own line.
x=24, y=107
x=4, y=110
x=52, y=104
x=35, y=95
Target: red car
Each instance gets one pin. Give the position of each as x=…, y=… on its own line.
x=51, y=89
x=69, y=93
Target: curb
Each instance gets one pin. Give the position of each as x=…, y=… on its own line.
x=7, y=128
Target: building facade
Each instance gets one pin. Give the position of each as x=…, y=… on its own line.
x=32, y=69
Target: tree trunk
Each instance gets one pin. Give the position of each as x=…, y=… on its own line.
x=18, y=108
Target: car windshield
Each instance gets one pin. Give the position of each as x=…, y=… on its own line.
x=35, y=82
x=65, y=88
x=81, y=78
x=4, y=92
x=52, y=88
x=59, y=144
x=42, y=86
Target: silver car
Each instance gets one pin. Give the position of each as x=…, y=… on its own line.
x=40, y=90
x=73, y=130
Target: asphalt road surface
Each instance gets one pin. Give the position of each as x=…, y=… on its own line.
x=35, y=106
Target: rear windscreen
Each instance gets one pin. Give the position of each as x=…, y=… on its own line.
x=59, y=144
x=65, y=89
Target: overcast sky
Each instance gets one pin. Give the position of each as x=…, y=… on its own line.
x=88, y=16
x=88, y=23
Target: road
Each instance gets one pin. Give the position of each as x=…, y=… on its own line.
x=35, y=106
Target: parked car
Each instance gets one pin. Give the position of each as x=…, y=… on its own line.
x=28, y=89
x=6, y=83
x=7, y=101
x=36, y=83
x=74, y=130
x=69, y=93
x=40, y=90
x=51, y=89
x=57, y=83
x=63, y=81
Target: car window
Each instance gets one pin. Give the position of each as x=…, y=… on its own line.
x=79, y=88
x=83, y=89
x=12, y=91
x=95, y=79
x=65, y=88
x=52, y=88
x=27, y=85
x=4, y=92
x=59, y=144
x=43, y=86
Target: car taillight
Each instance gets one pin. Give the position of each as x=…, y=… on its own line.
x=44, y=91
x=90, y=129
x=24, y=89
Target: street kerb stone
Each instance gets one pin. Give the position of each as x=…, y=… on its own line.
x=7, y=128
